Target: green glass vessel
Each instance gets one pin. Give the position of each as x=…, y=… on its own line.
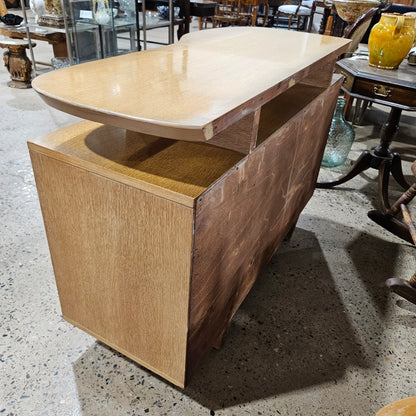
x=340, y=138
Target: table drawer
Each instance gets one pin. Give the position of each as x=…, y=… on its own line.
x=348, y=79
x=392, y=94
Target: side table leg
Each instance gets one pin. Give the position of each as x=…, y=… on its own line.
x=383, y=184
x=361, y=164
x=397, y=172
x=388, y=133
x=380, y=158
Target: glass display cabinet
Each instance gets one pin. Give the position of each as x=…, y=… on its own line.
x=98, y=29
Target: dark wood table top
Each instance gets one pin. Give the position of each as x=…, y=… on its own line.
x=392, y=87
x=405, y=75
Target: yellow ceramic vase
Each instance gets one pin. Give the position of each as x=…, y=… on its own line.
x=391, y=40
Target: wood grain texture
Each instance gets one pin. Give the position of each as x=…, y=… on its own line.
x=319, y=73
x=279, y=111
x=179, y=171
x=240, y=222
x=121, y=258
x=156, y=276
x=233, y=70
x=241, y=136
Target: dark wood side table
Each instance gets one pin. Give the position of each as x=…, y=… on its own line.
x=393, y=88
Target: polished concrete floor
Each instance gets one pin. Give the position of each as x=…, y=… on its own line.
x=319, y=334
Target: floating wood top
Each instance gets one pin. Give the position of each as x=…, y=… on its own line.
x=191, y=90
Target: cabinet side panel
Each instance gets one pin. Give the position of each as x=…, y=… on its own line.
x=121, y=258
x=242, y=219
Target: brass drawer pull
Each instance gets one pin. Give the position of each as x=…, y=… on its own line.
x=344, y=76
x=381, y=91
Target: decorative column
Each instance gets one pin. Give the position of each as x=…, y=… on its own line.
x=17, y=62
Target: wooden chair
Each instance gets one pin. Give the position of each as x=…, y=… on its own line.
x=405, y=230
x=241, y=12
x=358, y=30
x=249, y=11
x=227, y=13
x=300, y=10
x=356, y=33
x=274, y=6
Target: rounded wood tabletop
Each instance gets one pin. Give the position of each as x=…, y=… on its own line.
x=193, y=89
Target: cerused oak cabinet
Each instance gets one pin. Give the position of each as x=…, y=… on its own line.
x=160, y=219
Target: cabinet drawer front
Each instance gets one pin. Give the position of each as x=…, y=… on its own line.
x=347, y=80
x=385, y=92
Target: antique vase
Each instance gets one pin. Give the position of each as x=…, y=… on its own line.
x=37, y=7
x=102, y=12
x=391, y=40
x=340, y=138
